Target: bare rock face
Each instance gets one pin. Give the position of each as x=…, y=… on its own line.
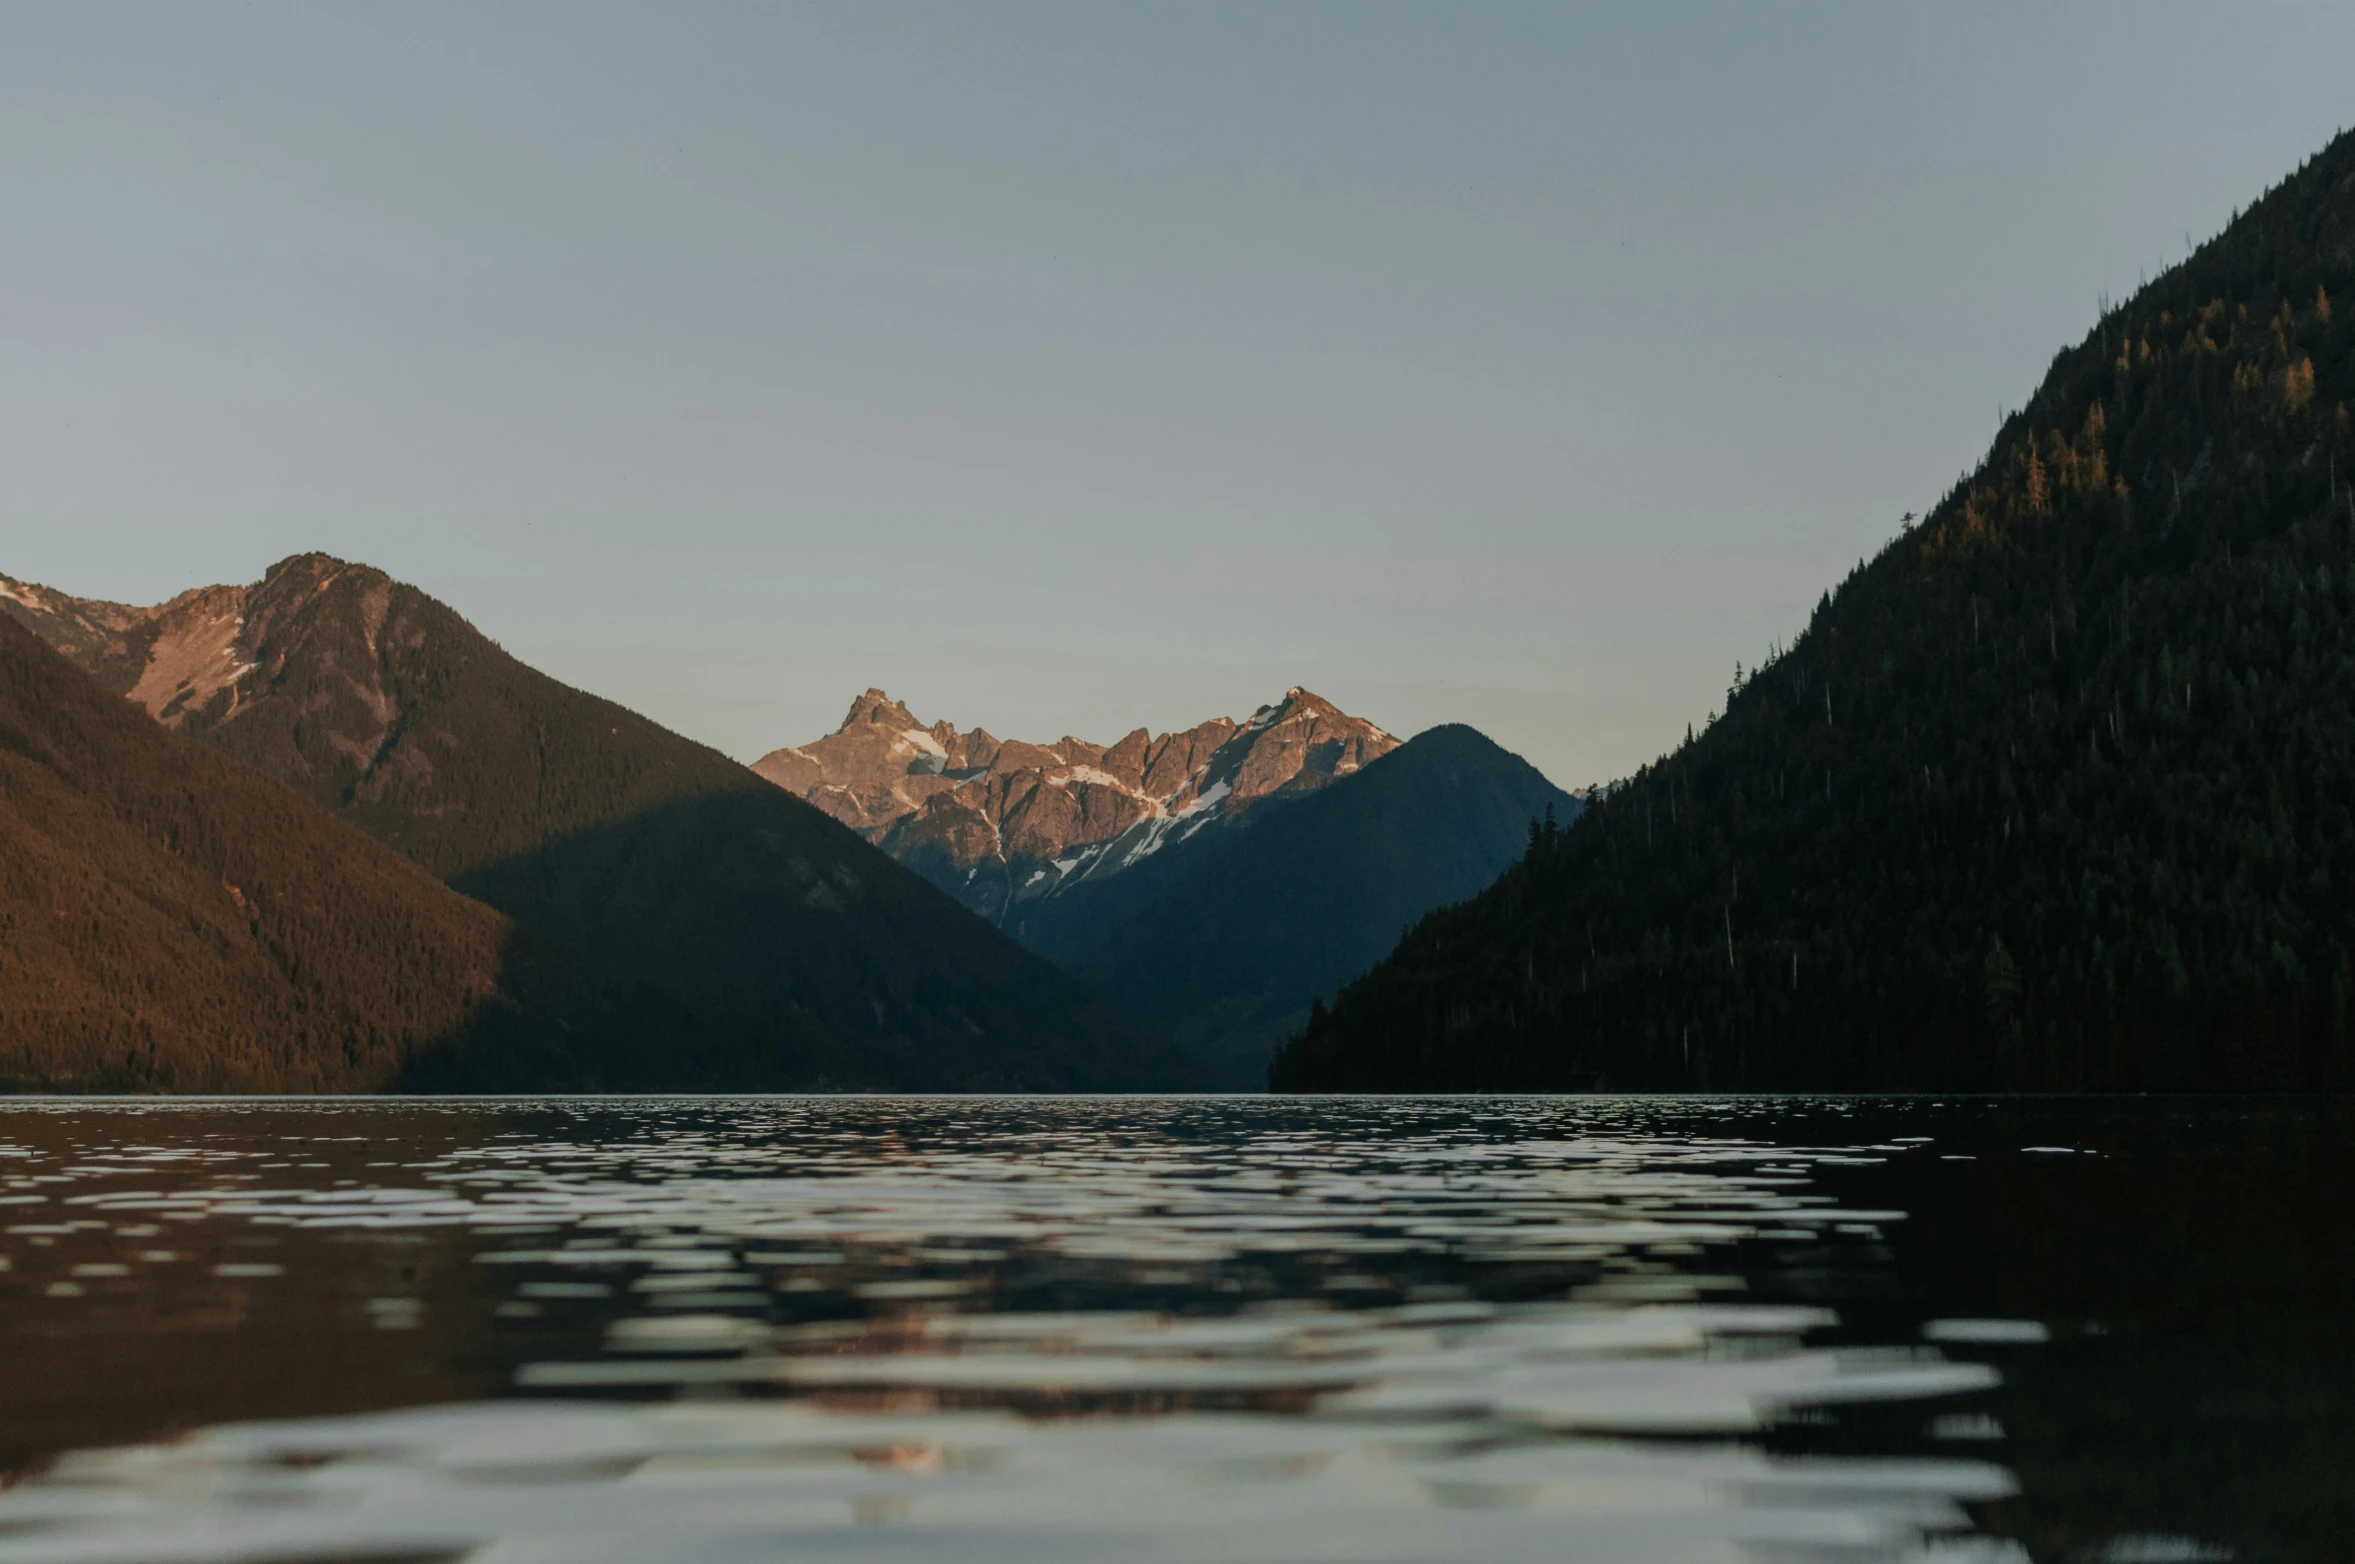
x=172, y=658
x=999, y=823
x=877, y=768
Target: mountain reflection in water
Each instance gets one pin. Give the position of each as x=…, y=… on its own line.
x=1174, y=1329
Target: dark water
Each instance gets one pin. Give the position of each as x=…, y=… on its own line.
x=1177, y=1329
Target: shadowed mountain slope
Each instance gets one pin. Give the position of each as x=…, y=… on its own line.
x=2052, y=794
x=1227, y=954
x=765, y=945
x=170, y=920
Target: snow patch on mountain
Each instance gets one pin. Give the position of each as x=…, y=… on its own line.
x=1210, y=798
x=1091, y=777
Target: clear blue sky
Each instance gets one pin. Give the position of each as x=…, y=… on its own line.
x=1063, y=369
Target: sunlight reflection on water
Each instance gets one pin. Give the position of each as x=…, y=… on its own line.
x=1142, y=1330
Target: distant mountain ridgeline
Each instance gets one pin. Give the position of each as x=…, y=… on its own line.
x=1009, y=828
x=748, y=941
x=2052, y=794
x=1212, y=882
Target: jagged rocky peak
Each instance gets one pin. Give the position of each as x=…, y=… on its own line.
x=876, y=768
x=880, y=710
x=1301, y=742
x=997, y=821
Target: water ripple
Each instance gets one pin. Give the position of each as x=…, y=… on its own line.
x=1141, y=1330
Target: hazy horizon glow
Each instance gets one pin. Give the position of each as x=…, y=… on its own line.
x=1070, y=369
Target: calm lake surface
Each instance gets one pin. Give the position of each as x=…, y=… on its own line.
x=1177, y=1329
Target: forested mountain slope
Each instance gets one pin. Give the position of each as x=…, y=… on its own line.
x=2053, y=794
x=1229, y=953
x=763, y=944
x=170, y=920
